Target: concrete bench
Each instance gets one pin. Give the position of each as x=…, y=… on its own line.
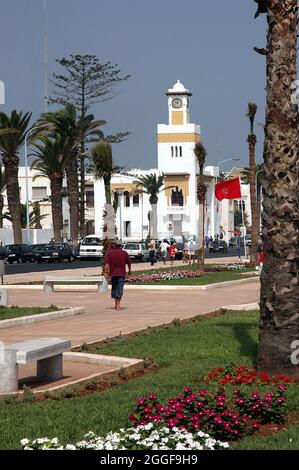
x=51, y=280
x=47, y=352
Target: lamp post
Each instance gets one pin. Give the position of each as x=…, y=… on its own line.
x=27, y=183
x=235, y=159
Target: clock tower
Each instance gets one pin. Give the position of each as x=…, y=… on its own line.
x=178, y=104
x=176, y=159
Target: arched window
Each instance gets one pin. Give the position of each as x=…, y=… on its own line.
x=136, y=200
x=127, y=199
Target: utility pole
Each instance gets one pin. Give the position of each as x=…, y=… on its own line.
x=46, y=91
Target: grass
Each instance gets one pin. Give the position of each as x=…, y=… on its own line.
x=185, y=353
x=15, y=312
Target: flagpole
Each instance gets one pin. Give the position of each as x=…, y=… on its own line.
x=243, y=223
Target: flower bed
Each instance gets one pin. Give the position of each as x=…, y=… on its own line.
x=215, y=268
x=164, y=276
x=206, y=411
x=138, y=438
x=244, y=375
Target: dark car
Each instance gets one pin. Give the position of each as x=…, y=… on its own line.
x=180, y=249
x=19, y=253
x=218, y=246
x=2, y=253
x=53, y=252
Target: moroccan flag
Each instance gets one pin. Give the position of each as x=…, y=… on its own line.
x=229, y=189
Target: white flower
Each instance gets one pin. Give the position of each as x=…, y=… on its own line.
x=24, y=442
x=70, y=447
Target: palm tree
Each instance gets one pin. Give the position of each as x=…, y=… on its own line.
x=35, y=216
x=52, y=156
x=259, y=172
x=279, y=321
x=201, y=153
x=2, y=189
x=103, y=167
x=152, y=185
x=13, y=131
x=65, y=122
x=252, y=109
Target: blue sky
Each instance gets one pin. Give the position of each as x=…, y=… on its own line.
x=208, y=45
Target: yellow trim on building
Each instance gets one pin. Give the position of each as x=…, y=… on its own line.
x=177, y=118
x=130, y=187
x=182, y=181
x=178, y=137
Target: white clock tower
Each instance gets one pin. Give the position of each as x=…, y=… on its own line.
x=176, y=159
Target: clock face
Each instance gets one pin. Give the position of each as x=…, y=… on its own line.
x=177, y=103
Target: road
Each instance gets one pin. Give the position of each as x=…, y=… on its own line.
x=78, y=264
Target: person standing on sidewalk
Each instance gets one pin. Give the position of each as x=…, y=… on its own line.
x=152, y=252
x=172, y=252
x=115, y=268
x=164, y=250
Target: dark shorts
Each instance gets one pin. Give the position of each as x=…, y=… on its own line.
x=117, y=290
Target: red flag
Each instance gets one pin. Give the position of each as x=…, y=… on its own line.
x=229, y=189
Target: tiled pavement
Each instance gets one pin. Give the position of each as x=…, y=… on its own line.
x=141, y=309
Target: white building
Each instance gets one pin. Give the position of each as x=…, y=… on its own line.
x=178, y=209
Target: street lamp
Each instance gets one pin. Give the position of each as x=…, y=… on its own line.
x=26, y=178
x=235, y=159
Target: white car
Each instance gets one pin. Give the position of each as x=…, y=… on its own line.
x=91, y=247
x=136, y=251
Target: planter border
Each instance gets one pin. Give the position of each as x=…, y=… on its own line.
x=40, y=317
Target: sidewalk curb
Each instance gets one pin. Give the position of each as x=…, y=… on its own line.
x=40, y=317
x=245, y=307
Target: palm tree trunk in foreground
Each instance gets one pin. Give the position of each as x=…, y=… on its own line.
x=57, y=217
x=279, y=321
x=13, y=196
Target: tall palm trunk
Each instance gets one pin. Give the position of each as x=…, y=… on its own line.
x=253, y=199
x=57, y=217
x=11, y=165
x=201, y=196
x=279, y=322
x=1, y=209
x=153, y=217
x=73, y=197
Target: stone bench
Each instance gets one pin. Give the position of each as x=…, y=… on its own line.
x=47, y=352
x=51, y=280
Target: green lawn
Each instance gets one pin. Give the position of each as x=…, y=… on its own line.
x=14, y=312
x=184, y=352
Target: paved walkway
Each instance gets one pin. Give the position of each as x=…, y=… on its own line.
x=141, y=309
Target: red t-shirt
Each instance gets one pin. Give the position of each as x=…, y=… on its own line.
x=117, y=260
x=261, y=256
x=172, y=250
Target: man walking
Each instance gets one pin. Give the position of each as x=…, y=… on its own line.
x=115, y=267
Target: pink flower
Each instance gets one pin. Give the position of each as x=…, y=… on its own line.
x=152, y=397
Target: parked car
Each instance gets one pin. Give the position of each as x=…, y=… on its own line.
x=20, y=253
x=180, y=249
x=248, y=240
x=91, y=247
x=136, y=251
x=53, y=252
x=2, y=253
x=218, y=246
